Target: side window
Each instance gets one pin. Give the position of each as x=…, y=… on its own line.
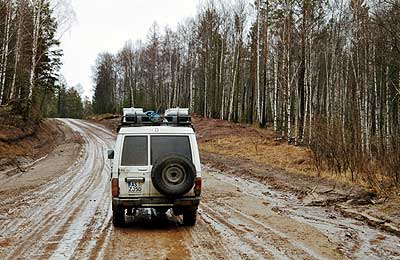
x=164, y=145
x=135, y=152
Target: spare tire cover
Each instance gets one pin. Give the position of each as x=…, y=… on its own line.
x=173, y=175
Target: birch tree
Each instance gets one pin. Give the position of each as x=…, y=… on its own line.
x=5, y=47
x=320, y=73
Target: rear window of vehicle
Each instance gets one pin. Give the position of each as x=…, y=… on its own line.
x=135, y=152
x=165, y=145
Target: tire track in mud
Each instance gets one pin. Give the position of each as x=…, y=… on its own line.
x=320, y=233
x=204, y=242
x=252, y=239
x=60, y=222
x=240, y=246
x=245, y=237
x=96, y=212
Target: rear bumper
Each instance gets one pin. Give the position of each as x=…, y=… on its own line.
x=156, y=202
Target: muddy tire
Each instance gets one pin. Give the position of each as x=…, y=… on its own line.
x=177, y=211
x=189, y=218
x=119, y=217
x=173, y=175
x=161, y=212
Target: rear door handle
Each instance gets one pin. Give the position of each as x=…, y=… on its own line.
x=142, y=169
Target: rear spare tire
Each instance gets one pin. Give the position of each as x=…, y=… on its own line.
x=173, y=175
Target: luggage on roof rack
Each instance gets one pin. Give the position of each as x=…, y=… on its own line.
x=134, y=117
x=178, y=116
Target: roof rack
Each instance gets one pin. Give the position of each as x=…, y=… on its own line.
x=136, y=117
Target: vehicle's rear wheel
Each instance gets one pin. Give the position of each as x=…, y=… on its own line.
x=160, y=212
x=177, y=211
x=131, y=212
x=119, y=217
x=189, y=217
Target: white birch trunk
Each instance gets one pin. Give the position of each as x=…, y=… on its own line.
x=359, y=101
x=366, y=105
x=191, y=105
x=387, y=110
x=131, y=70
x=377, y=103
x=366, y=95
x=289, y=102
x=327, y=90
x=307, y=82
x=235, y=61
x=5, y=54
x=131, y=85
x=288, y=87
x=222, y=111
x=36, y=30
x=284, y=118
x=205, y=93
x=258, y=108
x=312, y=110
x=344, y=105
x=296, y=116
x=360, y=98
x=276, y=96
x=175, y=91
x=310, y=113
x=310, y=93
x=170, y=88
x=16, y=58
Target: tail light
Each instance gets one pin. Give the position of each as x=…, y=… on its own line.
x=114, y=187
x=197, y=186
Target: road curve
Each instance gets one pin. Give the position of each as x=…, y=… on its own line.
x=70, y=218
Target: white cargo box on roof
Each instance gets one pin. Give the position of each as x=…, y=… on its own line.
x=178, y=116
x=131, y=112
x=177, y=112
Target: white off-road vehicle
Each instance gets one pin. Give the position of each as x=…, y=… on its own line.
x=156, y=164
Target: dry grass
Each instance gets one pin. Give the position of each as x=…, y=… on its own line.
x=293, y=159
x=252, y=143
x=260, y=146
x=262, y=150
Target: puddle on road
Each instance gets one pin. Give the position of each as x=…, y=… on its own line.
x=355, y=239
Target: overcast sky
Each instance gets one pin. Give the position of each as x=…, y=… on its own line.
x=105, y=25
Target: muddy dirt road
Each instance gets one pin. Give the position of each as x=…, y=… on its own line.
x=69, y=217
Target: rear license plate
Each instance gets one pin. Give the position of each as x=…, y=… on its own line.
x=135, y=187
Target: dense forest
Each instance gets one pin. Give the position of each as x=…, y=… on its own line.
x=30, y=60
x=320, y=73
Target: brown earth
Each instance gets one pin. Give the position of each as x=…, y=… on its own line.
x=241, y=216
x=53, y=149
x=20, y=145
